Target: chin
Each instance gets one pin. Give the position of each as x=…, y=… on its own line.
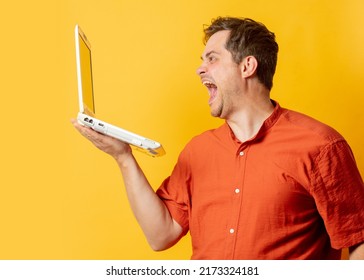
x=216, y=109
x=216, y=113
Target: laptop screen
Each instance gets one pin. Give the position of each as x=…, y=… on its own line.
x=86, y=76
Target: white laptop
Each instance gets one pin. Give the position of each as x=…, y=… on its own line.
x=86, y=115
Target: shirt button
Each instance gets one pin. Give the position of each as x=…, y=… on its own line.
x=241, y=153
x=237, y=191
x=232, y=230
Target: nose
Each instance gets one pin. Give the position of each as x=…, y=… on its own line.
x=201, y=70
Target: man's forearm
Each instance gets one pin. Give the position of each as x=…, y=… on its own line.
x=152, y=215
x=356, y=252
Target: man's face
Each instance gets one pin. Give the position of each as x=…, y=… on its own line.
x=221, y=75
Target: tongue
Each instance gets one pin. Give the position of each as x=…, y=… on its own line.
x=213, y=94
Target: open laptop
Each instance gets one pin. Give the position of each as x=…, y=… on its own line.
x=86, y=114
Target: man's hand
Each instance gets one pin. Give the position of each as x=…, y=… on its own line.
x=114, y=147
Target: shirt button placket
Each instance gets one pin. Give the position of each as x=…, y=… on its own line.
x=236, y=191
x=237, y=198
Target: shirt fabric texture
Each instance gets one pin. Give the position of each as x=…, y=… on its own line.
x=293, y=191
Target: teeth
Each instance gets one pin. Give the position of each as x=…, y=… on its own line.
x=208, y=84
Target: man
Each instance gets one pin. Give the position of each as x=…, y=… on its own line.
x=268, y=184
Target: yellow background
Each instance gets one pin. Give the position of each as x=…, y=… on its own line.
x=60, y=198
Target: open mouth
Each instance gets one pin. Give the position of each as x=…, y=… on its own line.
x=212, y=89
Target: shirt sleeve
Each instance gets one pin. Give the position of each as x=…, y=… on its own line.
x=339, y=195
x=174, y=192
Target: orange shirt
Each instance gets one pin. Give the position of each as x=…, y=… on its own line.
x=291, y=192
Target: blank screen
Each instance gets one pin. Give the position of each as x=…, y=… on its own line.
x=86, y=76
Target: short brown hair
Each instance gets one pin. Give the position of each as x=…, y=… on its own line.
x=248, y=37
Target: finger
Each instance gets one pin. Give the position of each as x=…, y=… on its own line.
x=77, y=124
x=89, y=133
x=85, y=131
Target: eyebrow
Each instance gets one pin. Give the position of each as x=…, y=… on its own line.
x=209, y=54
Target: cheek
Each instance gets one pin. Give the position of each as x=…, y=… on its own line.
x=227, y=77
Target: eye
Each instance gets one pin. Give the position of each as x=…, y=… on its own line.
x=211, y=59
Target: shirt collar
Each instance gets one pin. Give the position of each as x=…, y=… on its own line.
x=267, y=124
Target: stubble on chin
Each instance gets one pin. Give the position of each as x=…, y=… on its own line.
x=217, y=112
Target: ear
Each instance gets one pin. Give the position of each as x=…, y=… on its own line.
x=249, y=66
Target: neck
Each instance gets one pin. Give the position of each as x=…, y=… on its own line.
x=246, y=122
